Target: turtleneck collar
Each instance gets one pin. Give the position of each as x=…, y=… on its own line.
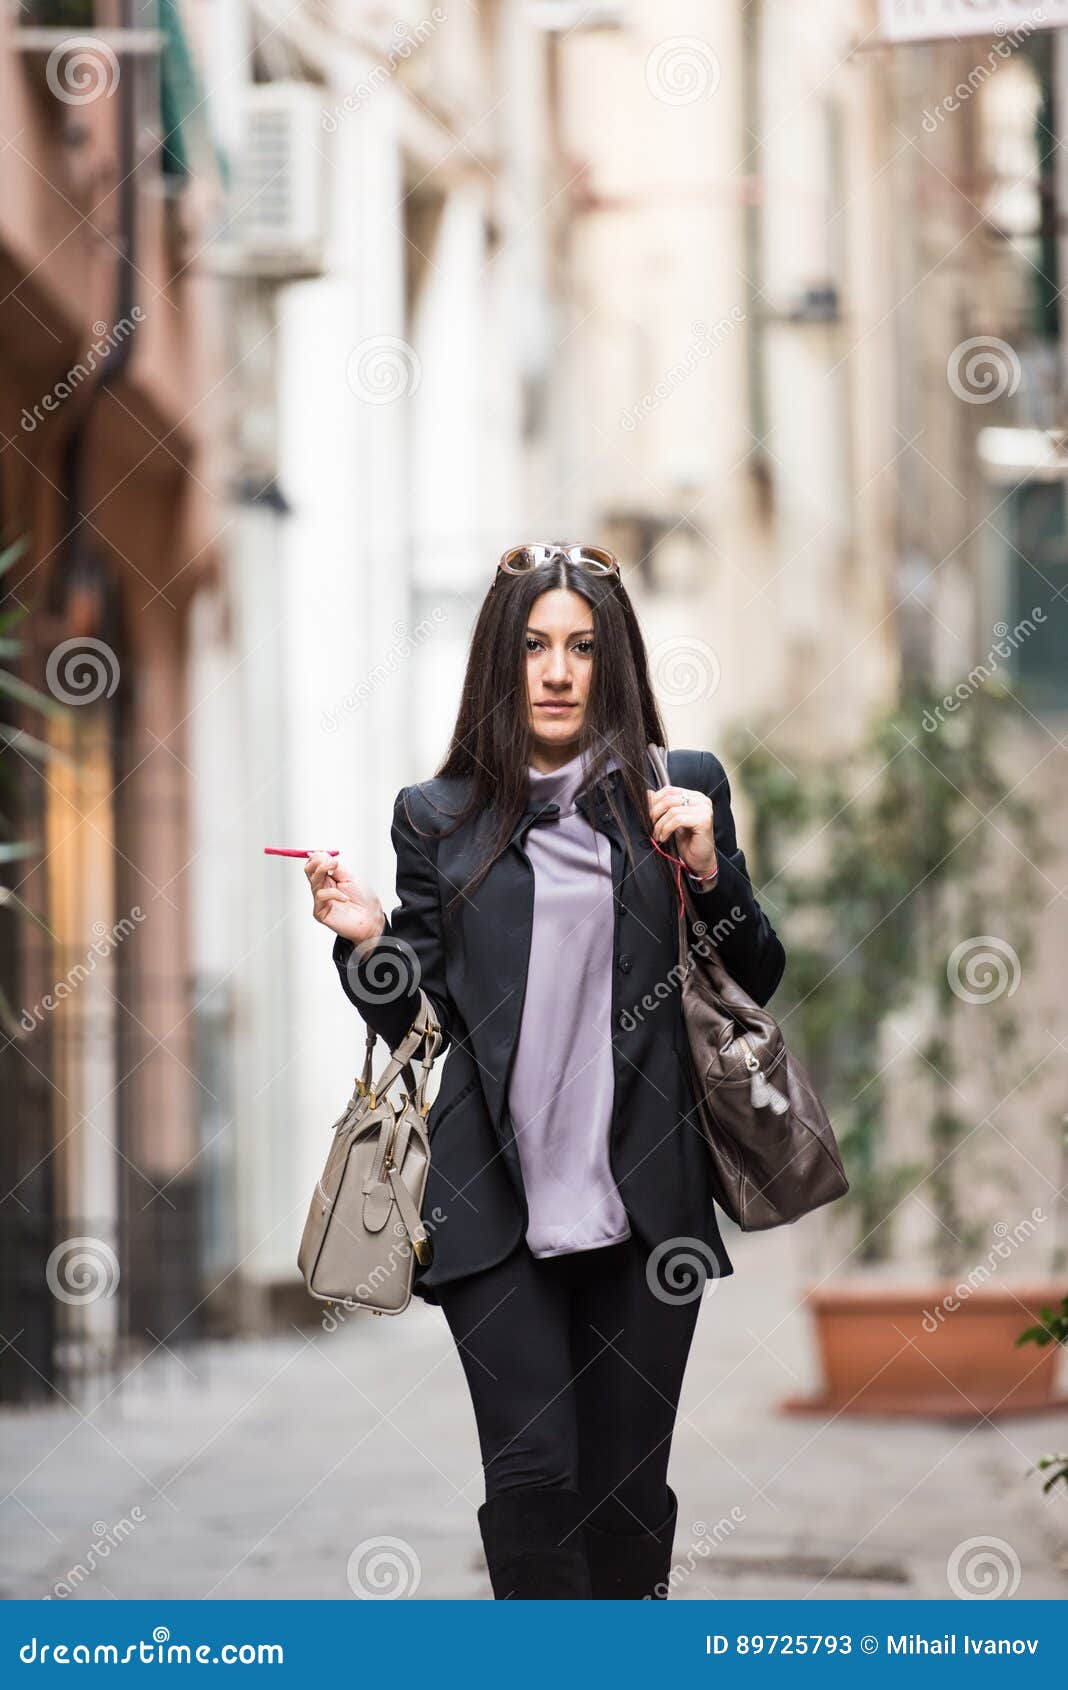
x=561, y=786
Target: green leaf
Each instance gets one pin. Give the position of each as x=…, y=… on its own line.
x=28, y=695
x=11, y=554
x=15, y=851
x=30, y=746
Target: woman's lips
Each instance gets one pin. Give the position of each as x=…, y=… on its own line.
x=554, y=707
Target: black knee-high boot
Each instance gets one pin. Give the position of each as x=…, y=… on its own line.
x=632, y=1565
x=534, y=1543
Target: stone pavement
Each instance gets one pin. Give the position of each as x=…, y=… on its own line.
x=257, y=1469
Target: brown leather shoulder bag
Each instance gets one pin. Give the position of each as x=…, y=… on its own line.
x=774, y=1154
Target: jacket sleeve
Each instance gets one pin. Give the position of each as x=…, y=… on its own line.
x=383, y=979
x=743, y=935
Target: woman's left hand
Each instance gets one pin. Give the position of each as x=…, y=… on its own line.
x=675, y=809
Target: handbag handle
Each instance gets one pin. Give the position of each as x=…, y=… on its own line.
x=658, y=760
x=424, y=1027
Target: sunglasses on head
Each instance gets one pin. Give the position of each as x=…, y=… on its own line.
x=519, y=560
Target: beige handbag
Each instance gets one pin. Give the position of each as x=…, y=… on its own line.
x=774, y=1154
x=364, y=1231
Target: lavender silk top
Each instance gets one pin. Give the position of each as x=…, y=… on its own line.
x=562, y=1083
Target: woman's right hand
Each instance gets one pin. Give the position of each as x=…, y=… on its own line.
x=346, y=905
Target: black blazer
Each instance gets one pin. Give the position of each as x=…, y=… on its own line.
x=475, y=976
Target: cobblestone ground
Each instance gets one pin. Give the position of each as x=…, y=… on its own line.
x=256, y=1469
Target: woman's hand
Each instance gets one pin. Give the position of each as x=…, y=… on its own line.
x=675, y=809
x=346, y=905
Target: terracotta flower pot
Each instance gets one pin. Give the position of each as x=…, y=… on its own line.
x=932, y=1353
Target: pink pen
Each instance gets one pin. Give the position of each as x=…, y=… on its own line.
x=281, y=851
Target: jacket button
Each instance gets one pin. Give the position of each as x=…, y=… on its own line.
x=625, y=965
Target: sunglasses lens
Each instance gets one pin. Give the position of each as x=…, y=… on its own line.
x=603, y=561
x=516, y=559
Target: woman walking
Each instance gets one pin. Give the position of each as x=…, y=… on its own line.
x=574, y=1225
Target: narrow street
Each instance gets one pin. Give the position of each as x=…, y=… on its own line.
x=258, y=1469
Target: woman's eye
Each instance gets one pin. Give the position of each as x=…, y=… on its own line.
x=585, y=647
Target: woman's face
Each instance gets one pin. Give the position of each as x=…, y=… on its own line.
x=559, y=644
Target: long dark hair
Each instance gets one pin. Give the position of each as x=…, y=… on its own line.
x=492, y=740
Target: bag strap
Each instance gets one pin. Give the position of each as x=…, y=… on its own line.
x=657, y=755
x=400, y=1061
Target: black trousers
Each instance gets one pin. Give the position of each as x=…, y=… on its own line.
x=575, y=1365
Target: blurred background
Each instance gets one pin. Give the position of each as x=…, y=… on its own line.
x=306, y=311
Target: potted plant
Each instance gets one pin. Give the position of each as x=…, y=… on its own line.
x=882, y=872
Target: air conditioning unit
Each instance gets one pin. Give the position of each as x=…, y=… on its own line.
x=277, y=202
